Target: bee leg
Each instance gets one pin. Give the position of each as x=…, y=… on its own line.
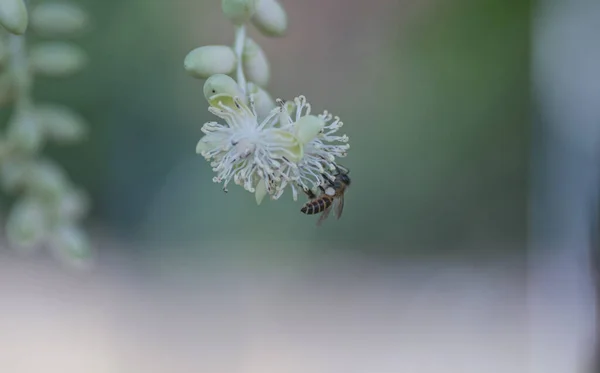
x=327, y=180
x=310, y=193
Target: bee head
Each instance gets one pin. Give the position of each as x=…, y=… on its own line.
x=345, y=179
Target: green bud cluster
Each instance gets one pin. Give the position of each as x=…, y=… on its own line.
x=49, y=208
x=245, y=59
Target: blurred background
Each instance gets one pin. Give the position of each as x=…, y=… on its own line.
x=425, y=272
x=434, y=97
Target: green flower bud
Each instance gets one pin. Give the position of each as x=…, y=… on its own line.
x=71, y=206
x=255, y=63
x=209, y=60
x=13, y=172
x=61, y=124
x=239, y=11
x=308, y=127
x=46, y=180
x=57, y=59
x=55, y=19
x=24, y=133
x=263, y=102
x=26, y=226
x=71, y=245
x=270, y=18
x=13, y=16
x=74, y=204
x=220, y=84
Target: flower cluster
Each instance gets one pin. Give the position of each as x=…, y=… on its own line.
x=49, y=209
x=265, y=145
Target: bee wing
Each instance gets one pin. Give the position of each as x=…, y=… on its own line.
x=339, y=207
x=324, y=216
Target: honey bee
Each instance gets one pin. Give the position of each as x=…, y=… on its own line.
x=331, y=196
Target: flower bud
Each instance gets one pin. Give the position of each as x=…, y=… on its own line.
x=46, y=180
x=71, y=206
x=263, y=102
x=221, y=84
x=71, y=245
x=308, y=127
x=13, y=16
x=239, y=11
x=55, y=19
x=61, y=124
x=255, y=63
x=74, y=204
x=13, y=172
x=223, y=89
x=210, y=60
x=24, y=132
x=57, y=59
x=270, y=18
x=26, y=226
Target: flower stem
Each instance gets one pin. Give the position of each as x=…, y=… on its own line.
x=240, y=39
x=19, y=66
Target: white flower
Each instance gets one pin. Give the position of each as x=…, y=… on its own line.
x=244, y=150
x=285, y=148
x=319, y=149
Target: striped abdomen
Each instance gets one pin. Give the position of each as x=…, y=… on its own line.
x=317, y=205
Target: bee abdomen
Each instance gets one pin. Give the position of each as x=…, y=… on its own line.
x=316, y=206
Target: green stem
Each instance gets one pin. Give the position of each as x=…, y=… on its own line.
x=238, y=47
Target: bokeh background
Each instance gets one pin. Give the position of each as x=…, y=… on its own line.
x=423, y=273
x=434, y=97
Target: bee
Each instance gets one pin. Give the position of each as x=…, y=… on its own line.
x=331, y=196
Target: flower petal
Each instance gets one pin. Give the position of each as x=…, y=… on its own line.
x=203, y=145
x=261, y=191
x=308, y=127
x=211, y=141
x=263, y=102
x=290, y=146
x=222, y=99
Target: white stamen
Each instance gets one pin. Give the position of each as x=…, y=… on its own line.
x=246, y=151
